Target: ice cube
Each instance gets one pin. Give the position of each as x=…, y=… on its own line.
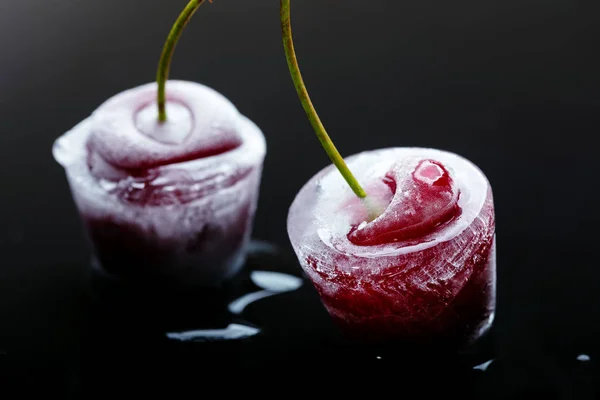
x=437, y=282
x=179, y=207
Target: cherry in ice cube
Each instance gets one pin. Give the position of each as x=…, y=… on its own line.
x=423, y=271
x=173, y=201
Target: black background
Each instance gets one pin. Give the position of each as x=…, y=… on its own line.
x=512, y=85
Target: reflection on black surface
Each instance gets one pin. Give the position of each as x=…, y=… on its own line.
x=232, y=332
x=272, y=283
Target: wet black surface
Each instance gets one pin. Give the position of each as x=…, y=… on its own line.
x=511, y=85
x=132, y=341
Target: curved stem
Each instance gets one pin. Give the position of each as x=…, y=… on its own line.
x=313, y=117
x=167, y=54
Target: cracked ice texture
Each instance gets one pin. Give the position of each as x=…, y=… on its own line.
x=174, y=200
x=424, y=271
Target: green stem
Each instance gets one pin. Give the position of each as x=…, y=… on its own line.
x=167, y=54
x=318, y=127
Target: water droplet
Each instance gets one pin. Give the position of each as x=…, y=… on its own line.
x=583, y=358
x=484, y=366
x=174, y=131
x=275, y=281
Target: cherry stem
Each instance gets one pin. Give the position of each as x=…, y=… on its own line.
x=164, y=64
x=313, y=117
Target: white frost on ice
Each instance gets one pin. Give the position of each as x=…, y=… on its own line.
x=174, y=131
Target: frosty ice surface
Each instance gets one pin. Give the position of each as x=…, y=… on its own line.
x=175, y=200
x=424, y=269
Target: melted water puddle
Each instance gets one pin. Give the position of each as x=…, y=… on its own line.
x=232, y=332
x=271, y=283
x=583, y=358
x=484, y=366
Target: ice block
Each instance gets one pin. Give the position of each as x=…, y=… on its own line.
x=424, y=270
x=174, y=201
